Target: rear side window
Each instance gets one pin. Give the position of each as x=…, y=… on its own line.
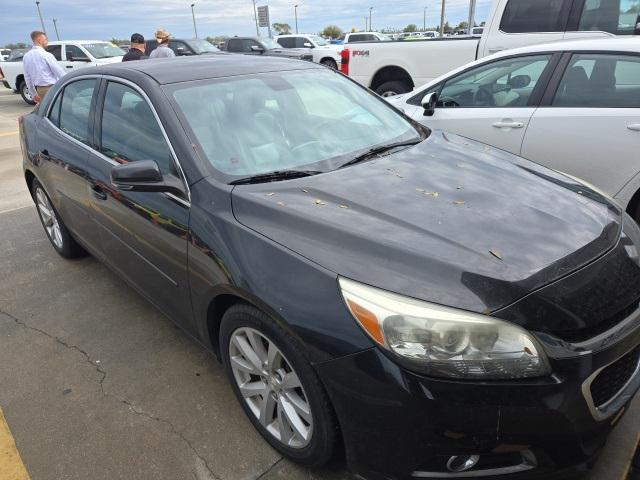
x=357, y=38
x=130, y=131
x=74, y=109
x=54, y=113
x=522, y=16
x=600, y=81
x=614, y=16
x=234, y=45
x=56, y=51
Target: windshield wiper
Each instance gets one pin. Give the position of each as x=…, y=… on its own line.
x=275, y=176
x=378, y=150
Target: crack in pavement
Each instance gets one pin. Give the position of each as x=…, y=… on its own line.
x=269, y=469
x=131, y=406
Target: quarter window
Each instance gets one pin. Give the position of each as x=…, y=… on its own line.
x=522, y=16
x=614, y=16
x=504, y=83
x=75, y=107
x=600, y=81
x=54, y=113
x=130, y=131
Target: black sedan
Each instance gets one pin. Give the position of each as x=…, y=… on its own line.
x=433, y=306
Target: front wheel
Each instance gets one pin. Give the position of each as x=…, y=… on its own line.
x=395, y=87
x=26, y=94
x=277, y=387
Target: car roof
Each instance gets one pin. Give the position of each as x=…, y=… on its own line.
x=60, y=42
x=201, y=67
x=615, y=44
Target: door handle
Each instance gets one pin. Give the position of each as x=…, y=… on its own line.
x=508, y=124
x=69, y=66
x=634, y=126
x=98, y=192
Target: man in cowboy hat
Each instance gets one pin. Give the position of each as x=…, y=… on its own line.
x=162, y=50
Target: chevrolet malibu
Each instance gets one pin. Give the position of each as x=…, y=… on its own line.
x=429, y=305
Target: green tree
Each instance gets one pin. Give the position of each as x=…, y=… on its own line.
x=411, y=28
x=447, y=27
x=216, y=40
x=282, y=28
x=13, y=46
x=121, y=41
x=332, y=31
x=462, y=26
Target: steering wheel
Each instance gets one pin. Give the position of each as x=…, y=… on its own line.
x=484, y=98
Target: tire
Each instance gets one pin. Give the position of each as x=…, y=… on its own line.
x=26, y=95
x=395, y=87
x=329, y=62
x=54, y=227
x=275, y=393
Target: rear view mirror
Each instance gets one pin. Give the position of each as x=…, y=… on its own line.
x=257, y=48
x=144, y=176
x=520, y=81
x=429, y=102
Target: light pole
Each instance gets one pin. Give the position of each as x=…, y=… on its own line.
x=295, y=11
x=40, y=15
x=442, y=19
x=472, y=14
x=370, y=27
x=424, y=20
x=255, y=17
x=55, y=25
x=366, y=19
x=193, y=15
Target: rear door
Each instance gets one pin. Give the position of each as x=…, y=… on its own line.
x=526, y=22
x=144, y=234
x=492, y=102
x=589, y=123
x=64, y=136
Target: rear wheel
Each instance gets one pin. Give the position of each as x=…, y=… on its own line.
x=395, y=87
x=277, y=387
x=54, y=227
x=26, y=94
x=329, y=62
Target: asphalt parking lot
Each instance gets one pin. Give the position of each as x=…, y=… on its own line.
x=97, y=384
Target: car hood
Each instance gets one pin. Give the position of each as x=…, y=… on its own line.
x=450, y=220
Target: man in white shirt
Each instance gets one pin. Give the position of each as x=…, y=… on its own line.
x=41, y=69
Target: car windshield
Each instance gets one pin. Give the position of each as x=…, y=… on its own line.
x=306, y=119
x=270, y=43
x=103, y=50
x=321, y=42
x=202, y=46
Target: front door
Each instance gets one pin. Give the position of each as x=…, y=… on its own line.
x=144, y=234
x=74, y=58
x=491, y=103
x=591, y=127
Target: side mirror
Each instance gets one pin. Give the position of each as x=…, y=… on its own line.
x=307, y=45
x=80, y=59
x=636, y=31
x=429, y=102
x=520, y=81
x=257, y=49
x=144, y=176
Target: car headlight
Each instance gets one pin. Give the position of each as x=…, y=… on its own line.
x=442, y=341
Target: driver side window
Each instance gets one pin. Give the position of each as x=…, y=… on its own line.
x=504, y=83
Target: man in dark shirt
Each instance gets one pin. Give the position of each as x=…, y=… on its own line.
x=136, y=51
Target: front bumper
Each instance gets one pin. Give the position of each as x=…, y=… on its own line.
x=399, y=425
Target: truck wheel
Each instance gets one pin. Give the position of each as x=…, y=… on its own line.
x=329, y=62
x=395, y=87
x=26, y=94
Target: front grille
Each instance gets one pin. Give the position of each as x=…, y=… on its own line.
x=614, y=377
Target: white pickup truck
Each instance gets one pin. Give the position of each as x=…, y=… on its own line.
x=71, y=54
x=391, y=68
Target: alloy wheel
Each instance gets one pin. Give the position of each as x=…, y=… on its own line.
x=270, y=387
x=49, y=218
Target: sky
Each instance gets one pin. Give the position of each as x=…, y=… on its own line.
x=106, y=19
